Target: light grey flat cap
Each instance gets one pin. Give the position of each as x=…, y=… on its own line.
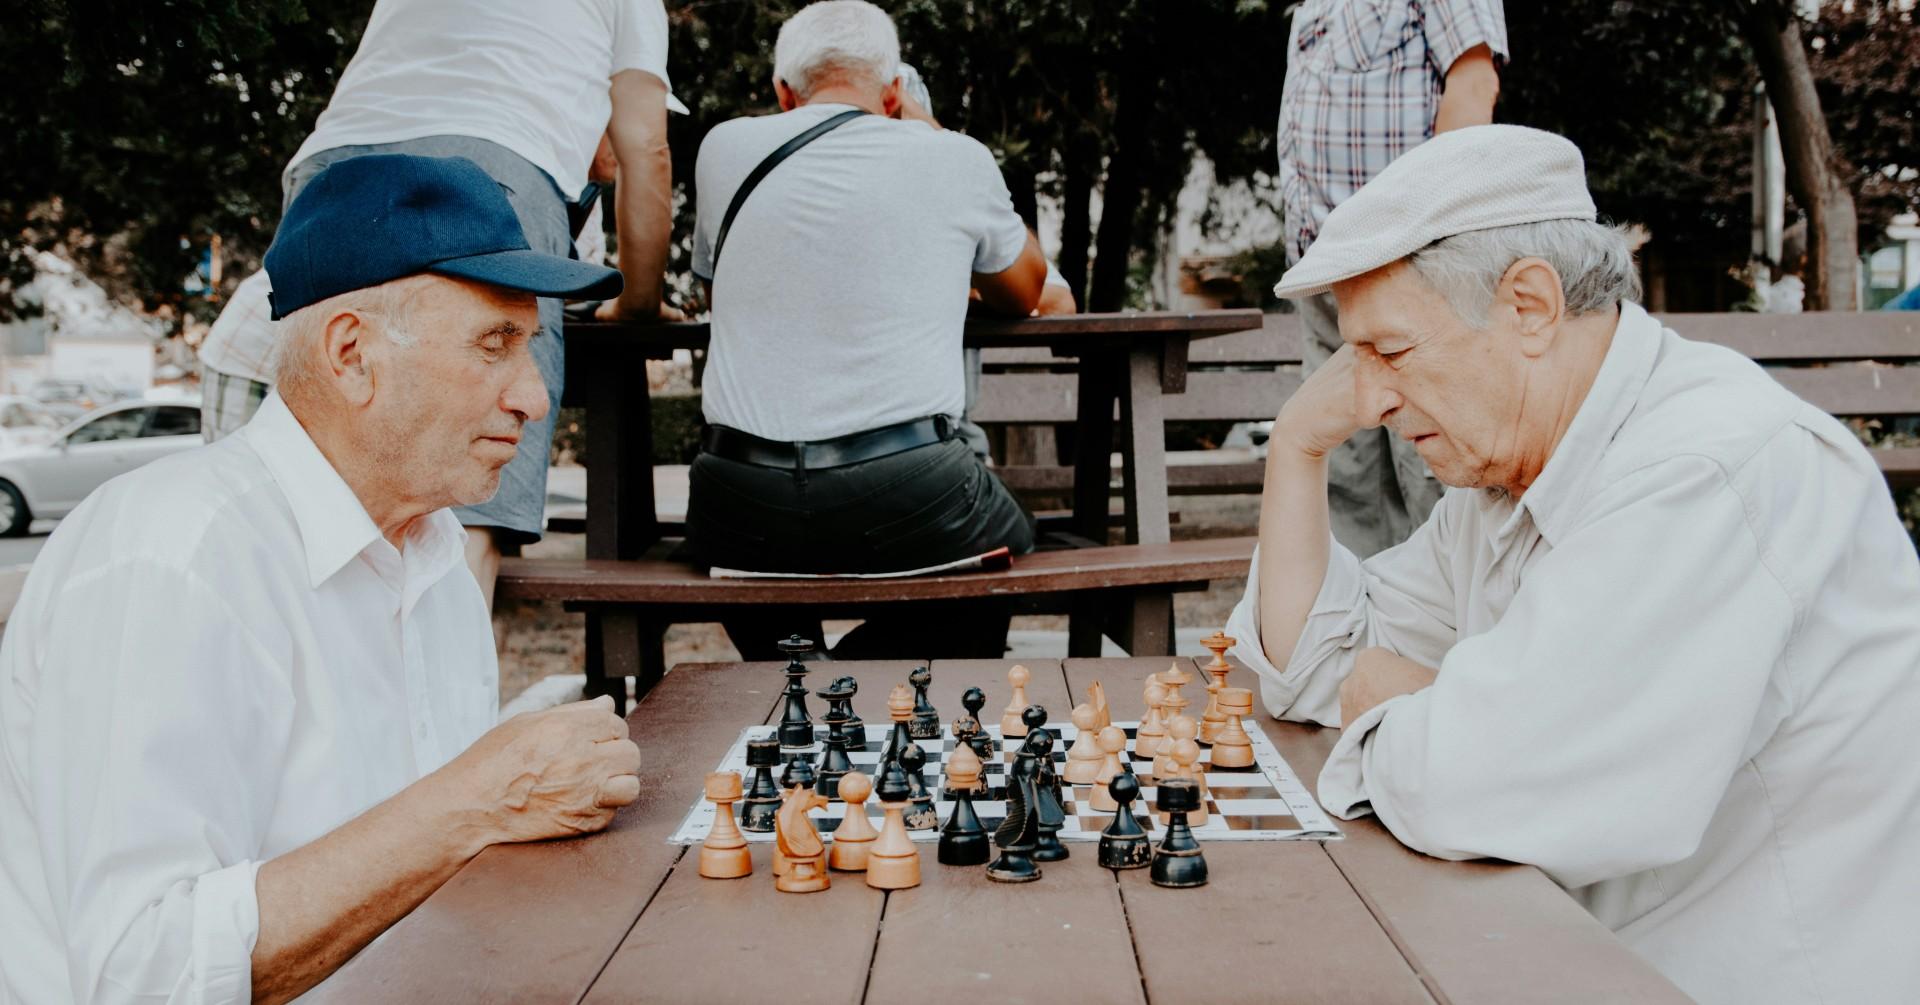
x=1467, y=179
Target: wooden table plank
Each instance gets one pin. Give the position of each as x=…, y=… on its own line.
x=536, y=922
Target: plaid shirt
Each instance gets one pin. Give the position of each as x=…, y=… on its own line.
x=240, y=342
x=1363, y=85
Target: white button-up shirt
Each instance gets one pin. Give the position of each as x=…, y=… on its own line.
x=216, y=659
x=1681, y=675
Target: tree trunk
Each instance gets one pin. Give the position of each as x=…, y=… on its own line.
x=1120, y=195
x=1079, y=162
x=1815, y=176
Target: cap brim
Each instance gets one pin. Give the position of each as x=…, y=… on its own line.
x=536, y=272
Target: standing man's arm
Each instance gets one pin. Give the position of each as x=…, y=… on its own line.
x=643, y=196
x=1473, y=84
x=1468, y=38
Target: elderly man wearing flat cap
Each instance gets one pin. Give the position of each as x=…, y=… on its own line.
x=249, y=692
x=1661, y=637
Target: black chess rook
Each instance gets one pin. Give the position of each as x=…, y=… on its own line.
x=1178, y=862
x=762, y=801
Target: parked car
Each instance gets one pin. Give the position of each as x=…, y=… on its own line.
x=25, y=421
x=48, y=480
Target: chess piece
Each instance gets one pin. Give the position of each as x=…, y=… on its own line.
x=798, y=774
x=1232, y=747
x=1113, y=740
x=1044, y=773
x=1084, y=757
x=1097, y=697
x=965, y=730
x=855, y=834
x=1019, y=834
x=974, y=700
x=798, y=844
x=1153, y=728
x=1183, y=757
x=724, y=855
x=920, y=814
x=926, y=719
x=1212, y=719
x=834, y=763
x=900, y=710
x=856, y=727
x=963, y=841
x=796, y=726
x=1011, y=727
x=762, y=801
x=1124, y=843
x=1049, y=813
x=1178, y=862
x=893, y=863
x=1175, y=703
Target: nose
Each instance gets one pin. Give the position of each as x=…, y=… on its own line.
x=526, y=394
x=1373, y=398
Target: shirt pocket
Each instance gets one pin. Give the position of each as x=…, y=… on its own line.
x=1342, y=36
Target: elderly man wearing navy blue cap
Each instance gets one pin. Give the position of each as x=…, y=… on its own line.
x=249, y=691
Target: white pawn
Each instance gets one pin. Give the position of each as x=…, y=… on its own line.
x=1084, y=757
x=1153, y=728
x=1183, y=757
x=1011, y=725
x=1113, y=740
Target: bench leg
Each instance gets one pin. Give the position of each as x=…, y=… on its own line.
x=1084, y=628
x=1149, y=625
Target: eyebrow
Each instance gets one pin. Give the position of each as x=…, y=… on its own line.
x=505, y=329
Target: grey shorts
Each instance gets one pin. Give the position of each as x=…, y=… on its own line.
x=519, y=507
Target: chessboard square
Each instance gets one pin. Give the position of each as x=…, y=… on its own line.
x=1253, y=807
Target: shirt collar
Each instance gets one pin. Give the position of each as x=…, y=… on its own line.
x=333, y=524
x=1550, y=500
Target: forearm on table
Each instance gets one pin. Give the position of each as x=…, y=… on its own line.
x=644, y=220
x=1294, y=545
x=324, y=901
x=1472, y=86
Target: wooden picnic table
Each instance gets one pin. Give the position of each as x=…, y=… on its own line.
x=624, y=916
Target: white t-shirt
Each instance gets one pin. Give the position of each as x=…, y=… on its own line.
x=844, y=292
x=532, y=77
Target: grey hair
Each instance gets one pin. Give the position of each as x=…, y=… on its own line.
x=1595, y=262
x=297, y=357
x=836, y=39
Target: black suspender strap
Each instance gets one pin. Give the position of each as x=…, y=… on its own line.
x=773, y=160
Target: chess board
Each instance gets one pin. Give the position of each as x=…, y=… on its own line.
x=1266, y=802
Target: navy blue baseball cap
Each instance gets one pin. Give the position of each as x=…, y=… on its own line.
x=369, y=220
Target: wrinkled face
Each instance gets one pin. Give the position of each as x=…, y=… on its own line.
x=1453, y=391
x=449, y=408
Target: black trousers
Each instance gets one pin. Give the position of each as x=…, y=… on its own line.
x=916, y=508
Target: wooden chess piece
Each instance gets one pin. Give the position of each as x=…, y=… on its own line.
x=900, y=710
x=797, y=775
x=1163, y=757
x=856, y=727
x=1084, y=757
x=855, y=834
x=1019, y=834
x=762, y=801
x=1183, y=759
x=1124, y=843
x=963, y=841
x=926, y=718
x=834, y=763
x=796, y=726
x=724, y=855
x=1175, y=703
x=1232, y=747
x=798, y=842
x=1050, y=813
x=1113, y=741
x=1212, y=719
x=893, y=863
x=965, y=730
x=1178, y=862
x=1153, y=728
x=920, y=814
x=1010, y=725
x=1097, y=697
x=974, y=700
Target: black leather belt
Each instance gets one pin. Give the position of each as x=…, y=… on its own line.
x=735, y=445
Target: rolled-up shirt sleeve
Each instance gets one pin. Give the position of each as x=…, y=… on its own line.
x=1400, y=599
x=155, y=796
x=1454, y=26
x=1594, y=728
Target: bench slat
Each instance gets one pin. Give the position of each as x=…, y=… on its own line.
x=1050, y=397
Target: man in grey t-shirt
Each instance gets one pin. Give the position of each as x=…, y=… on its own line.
x=835, y=383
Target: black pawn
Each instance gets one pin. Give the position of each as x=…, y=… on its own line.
x=856, y=726
x=1045, y=775
x=1019, y=833
x=963, y=841
x=761, y=802
x=973, y=701
x=920, y=816
x=1051, y=814
x=799, y=771
x=834, y=764
x=926, y=718
x=796, y=726
x=1124, y=844
x=1177, y=862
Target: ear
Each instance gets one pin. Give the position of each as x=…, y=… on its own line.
x=1530, y=290
x=788, y=100
x=890, y=99
x=347, y=337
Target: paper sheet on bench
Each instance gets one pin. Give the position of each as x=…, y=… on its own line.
x=998, y=558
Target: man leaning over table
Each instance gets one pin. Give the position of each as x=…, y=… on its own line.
x=247, y=714
x=1659, y=636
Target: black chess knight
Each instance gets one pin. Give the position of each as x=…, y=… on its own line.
x=926, y=719
x=1019, y=833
